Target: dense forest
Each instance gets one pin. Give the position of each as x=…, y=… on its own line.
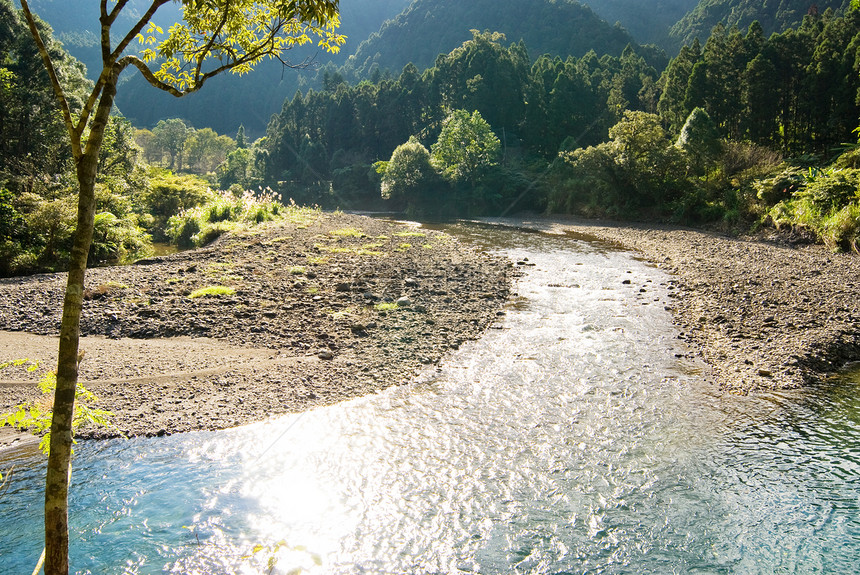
x=740, y=131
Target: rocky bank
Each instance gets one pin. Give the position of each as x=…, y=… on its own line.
x=321, y=310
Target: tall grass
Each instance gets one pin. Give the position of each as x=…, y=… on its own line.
x=203, y=224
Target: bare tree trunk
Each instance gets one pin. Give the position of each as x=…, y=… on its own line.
x=59, y=458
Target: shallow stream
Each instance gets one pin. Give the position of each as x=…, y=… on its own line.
x=573, y=438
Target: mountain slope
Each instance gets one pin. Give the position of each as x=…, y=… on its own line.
x=774, y=16
x=648, y=22
x=432, y=27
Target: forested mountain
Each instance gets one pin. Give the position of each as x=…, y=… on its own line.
x=332, y=137
x=230, y=101
x=648, y=22
x=606, y=135
x=774, y=16
x=432, y=27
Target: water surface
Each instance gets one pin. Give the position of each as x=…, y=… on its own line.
x=573, y=438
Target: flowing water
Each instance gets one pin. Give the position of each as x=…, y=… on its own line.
x=570, y=439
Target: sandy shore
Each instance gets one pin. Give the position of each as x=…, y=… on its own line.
x=304, y=327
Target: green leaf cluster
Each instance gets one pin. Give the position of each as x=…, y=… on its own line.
x=217, y=36
x=35, y=417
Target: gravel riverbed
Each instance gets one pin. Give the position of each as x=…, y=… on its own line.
x=306, y=325
x=322, y=311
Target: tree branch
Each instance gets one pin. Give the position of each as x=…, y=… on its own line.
x=131, y=60
x=105, y=31
x=116, y=10
x=74, y=136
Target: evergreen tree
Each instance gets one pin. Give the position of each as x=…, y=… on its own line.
x=700, y=140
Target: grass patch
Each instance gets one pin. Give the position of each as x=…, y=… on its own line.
x=318, y=260
x=386, y=306
x=172, y=281
x=212, y=291
x=367, y=250
x=277, y=240
x=403, y=247
x=410, y=235
x=217, y=268
x=348, y=233
x=297, y=270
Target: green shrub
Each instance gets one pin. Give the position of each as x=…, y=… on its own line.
x=169, y=194
x=118, y=240
x=827, y=202
x=182, y=227
x=832, y=189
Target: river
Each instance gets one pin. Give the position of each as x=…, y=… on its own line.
x=574, y=437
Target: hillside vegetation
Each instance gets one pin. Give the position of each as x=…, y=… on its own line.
x=772, y=16
x=432, y=27
x=747, y=130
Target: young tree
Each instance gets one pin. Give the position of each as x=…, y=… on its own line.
x=700, y=140
x=170, y=136
x=214, y=36
x=466, y=147
x=408, y=176
x=205, y=149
